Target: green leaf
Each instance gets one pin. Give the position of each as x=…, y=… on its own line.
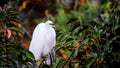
x=76, y=31
x=60, y=36
x=17, y=29
x=64, y=38
x=29, y=55
x=90, y=62
x=3, y=56
x=16, y=20
x=59, y=62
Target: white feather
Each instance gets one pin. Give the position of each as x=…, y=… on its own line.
x=43, y=40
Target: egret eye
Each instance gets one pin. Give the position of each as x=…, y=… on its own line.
x=51, y=24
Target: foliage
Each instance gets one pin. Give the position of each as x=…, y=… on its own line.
x=88, y=37
x=12, y=54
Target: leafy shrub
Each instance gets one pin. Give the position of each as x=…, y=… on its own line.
x=12, y=54
x=88, y=37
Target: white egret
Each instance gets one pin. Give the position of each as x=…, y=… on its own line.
x=43, y=40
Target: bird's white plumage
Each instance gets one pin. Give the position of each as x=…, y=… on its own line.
x=43, y=40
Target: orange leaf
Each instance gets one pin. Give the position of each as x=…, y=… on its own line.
x=85, y=58
x=61, y=50
x=82, y=2
x=61, y=53
x=17, y=24
x=24, y=5
x=14, y=33
x=78, y=43
x=20, y=35
x=9, y=33
x=64, y=56
x=92, y=38
x=0, y=9
x=26, y=44
x=75, y=60
x=89, y=47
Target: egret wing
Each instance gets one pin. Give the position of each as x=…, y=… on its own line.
x=38, y=40
x=50, y=40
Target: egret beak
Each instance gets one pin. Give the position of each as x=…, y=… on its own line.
x=54, y=25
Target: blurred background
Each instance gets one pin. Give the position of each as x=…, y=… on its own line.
x=87, y=32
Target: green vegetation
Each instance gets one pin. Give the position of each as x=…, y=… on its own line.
x=87, y=37
x=12, y=54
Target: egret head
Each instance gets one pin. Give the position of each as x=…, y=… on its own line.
x=50, y=23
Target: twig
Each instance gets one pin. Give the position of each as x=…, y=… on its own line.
x=29, y=36
x=68, y=59
x=71, y=56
